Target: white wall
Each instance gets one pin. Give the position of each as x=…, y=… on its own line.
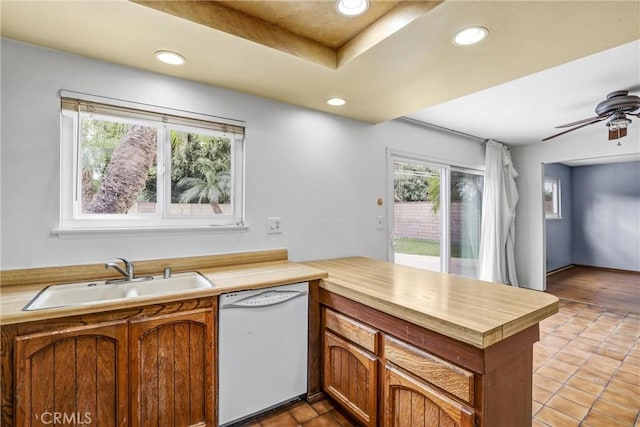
x=586, y=143
x=321, y=173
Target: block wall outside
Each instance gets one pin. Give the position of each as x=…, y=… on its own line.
x=416, y=220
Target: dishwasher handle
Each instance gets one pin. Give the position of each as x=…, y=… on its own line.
x=264, y=299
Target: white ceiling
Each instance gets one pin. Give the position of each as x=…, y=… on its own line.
x=527, y=109
x=603, y=160
x=515, y=86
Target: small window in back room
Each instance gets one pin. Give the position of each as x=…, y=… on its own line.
x=552, y=198
x=128, y=167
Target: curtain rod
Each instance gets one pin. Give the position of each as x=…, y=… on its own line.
x=447, y=130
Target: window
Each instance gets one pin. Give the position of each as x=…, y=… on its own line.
x=552, y=198
x=131, y=166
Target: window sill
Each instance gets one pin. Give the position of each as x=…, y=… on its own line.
x=80, y=233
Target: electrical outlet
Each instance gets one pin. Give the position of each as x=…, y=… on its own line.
x=274, y=225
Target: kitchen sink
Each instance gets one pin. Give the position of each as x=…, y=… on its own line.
x=95, y=292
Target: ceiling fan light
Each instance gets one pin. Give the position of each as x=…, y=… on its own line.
x=168, y=57
x=619, y=123
x=352, y=7
x=469, y=36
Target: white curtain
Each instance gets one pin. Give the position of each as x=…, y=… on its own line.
x=496, y=261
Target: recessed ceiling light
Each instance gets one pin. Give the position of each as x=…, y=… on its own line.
x=336, y=102
x=470, y=35
x=352, y=7
x=169, y=57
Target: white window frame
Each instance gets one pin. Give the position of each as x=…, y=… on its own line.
x=445, y=201
x=556, y=197
x=74, y=223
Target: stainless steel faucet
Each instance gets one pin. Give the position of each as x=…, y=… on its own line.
x=128, y=273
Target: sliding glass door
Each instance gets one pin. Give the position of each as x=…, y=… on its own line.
x=464, y=218
x=435, y=216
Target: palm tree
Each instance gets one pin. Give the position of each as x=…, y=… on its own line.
x=127, y=172
x=211, y=186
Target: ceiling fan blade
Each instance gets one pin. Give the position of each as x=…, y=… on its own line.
x=598, y=119
x=634, y=114
x=617, y=134
x=579, y=122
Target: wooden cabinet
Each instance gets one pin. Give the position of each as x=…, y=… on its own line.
x=351, y=365
x=145, y=366
x=411, y=402
x=171, y=369
x=425, y=375
x=416, y=388
x=72, y=376
x=451, y=378
x=350, y=377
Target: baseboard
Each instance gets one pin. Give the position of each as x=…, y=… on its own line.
x=313, y=398
x=592, y=267
x=558, y=270
x=613, y=270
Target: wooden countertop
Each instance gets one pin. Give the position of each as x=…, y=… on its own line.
x=225, y=279
x=471, y=311
x=475, y=312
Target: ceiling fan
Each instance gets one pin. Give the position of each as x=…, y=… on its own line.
x=614, y=109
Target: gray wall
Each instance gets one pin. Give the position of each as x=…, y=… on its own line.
x=321, y=173
x=606, y=215
x=588, y=143
x=558, y=238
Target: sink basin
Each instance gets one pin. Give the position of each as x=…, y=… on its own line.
x=87, y=293
x=177, y=283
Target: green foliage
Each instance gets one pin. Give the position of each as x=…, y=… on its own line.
x=211, y=187
x=433, y=190
x=200, y=168
x=99, y=138
x=417, y=183
x=193, y=155
x=410, y=182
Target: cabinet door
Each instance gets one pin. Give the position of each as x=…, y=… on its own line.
x=350, y=375
x=72, y=376
x=172, y=378
x=409, y=402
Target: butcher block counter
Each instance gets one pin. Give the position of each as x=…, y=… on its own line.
x=406, y=347
x=475, y=312
x=462, y=348
x=228, y=273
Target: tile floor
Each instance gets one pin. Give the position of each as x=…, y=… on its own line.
x=586, y=373
x=587, y=368
x=319, y=414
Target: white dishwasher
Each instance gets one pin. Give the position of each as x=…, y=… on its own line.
x=262, y=350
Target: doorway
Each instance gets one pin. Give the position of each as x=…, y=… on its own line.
x=591, y=214
x=435, y=215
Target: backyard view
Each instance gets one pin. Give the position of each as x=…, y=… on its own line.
x=122, y=173
x=419, y=216
x=407, y=245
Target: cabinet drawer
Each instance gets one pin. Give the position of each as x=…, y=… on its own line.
x=438, y=372
x=353, y=330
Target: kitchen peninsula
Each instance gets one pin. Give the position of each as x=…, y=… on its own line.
x=386, y=342
x=435, y=349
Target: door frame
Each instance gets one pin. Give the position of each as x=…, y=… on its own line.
x=430, y=161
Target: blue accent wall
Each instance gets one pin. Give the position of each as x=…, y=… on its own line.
x=606, y=215
x=559, y=231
